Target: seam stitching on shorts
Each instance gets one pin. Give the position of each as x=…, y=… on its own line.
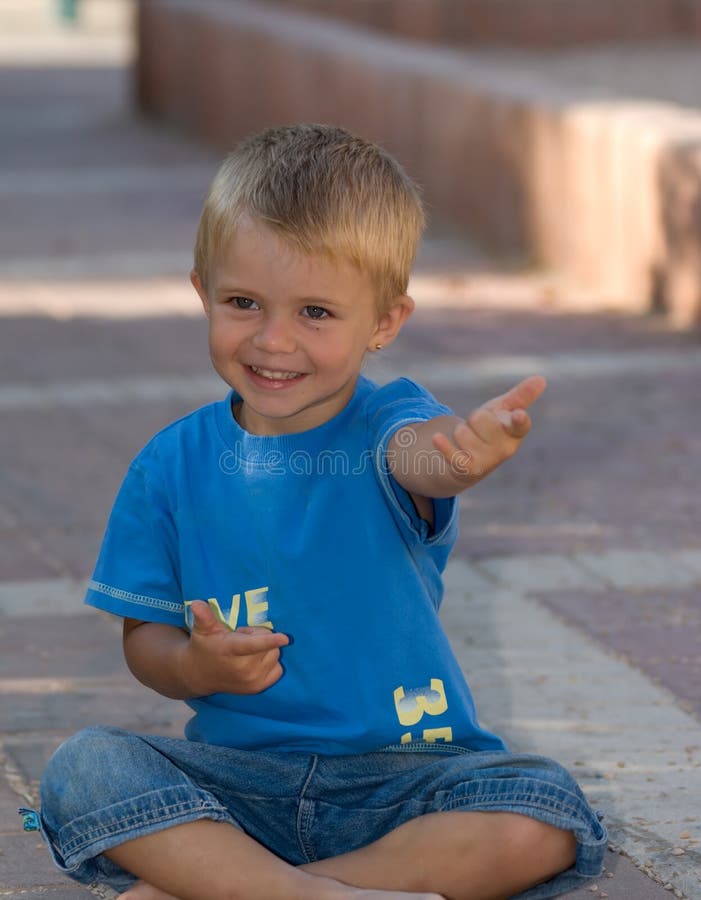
x=305, y=812
x=141, y=819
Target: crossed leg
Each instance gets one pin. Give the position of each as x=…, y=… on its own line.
x=454, y=855
x=459, y=855
x=207, y=860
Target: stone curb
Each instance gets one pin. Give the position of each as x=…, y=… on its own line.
x=516, y=22
x=601, y=189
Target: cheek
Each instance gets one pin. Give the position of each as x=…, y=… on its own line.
x=339, y=355
x=215, y=347
x=223, y=339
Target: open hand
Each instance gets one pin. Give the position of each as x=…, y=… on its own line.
x=245, y=661
x=492, y=433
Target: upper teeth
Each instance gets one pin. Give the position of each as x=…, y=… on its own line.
x=277, y=376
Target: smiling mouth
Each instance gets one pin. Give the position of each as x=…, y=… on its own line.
x=273, y=375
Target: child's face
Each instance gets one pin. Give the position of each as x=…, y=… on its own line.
x=289, y=331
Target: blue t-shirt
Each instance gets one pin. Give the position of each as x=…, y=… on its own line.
x=308, y=534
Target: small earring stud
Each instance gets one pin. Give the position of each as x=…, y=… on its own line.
x=378, y=346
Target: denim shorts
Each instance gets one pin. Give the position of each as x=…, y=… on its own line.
x=105, y=786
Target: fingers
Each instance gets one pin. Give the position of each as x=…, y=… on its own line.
x=248, y=639
x=506, y=412
x=256, y=666
x=483, y=422
x=460, y=460
x=241, y=661
x=517, y=424
x=484, y=441
x=275, y=674
x=258, y=640
x=522, y=395
x=245, y=641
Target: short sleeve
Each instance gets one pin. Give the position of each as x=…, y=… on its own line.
x=400, y=403
x=136, y=575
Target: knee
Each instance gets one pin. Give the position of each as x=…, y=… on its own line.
x=83, y=774
x=549, y=850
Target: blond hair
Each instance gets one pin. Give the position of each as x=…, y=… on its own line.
x=324, y=190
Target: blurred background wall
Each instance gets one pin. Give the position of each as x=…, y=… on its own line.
x=563, y=131
x=553, y=23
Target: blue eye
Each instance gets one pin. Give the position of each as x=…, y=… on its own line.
x=316, y=312
x=243, y=302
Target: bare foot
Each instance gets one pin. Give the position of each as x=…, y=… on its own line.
x=348, y=892
x=143, y=891
x=359, y=894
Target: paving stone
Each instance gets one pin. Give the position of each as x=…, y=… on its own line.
x=28, y=756
x=20, y=554
x=87, y=645
x=690, y=559
x=10, y=801
x=71, y=892
x=469, y=581
x=127, y=390
x=42, y=598
x=25, y=862
x=658, y=631
x=81, y=349
x=475, y=331
x=591, y=489
x=639, y=570
x=72, y=549
x=627, y=883
x=122, y=704
x=533, y=573
x=58, y=502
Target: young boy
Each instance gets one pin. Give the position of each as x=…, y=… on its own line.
x=277, y=560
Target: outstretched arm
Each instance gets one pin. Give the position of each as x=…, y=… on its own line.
x=444, y=456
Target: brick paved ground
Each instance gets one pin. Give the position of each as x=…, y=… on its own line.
x=573, y=600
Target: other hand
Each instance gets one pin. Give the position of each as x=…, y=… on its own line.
x=244, y=661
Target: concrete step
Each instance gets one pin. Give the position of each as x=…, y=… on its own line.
x=521, y=23
x=529, y=153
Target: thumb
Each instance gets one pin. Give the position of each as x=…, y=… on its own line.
x=204, y=621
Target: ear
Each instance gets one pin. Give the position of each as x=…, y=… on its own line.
x=390, y=322
x=199, y=287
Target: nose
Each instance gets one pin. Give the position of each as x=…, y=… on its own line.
x=275, y=335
